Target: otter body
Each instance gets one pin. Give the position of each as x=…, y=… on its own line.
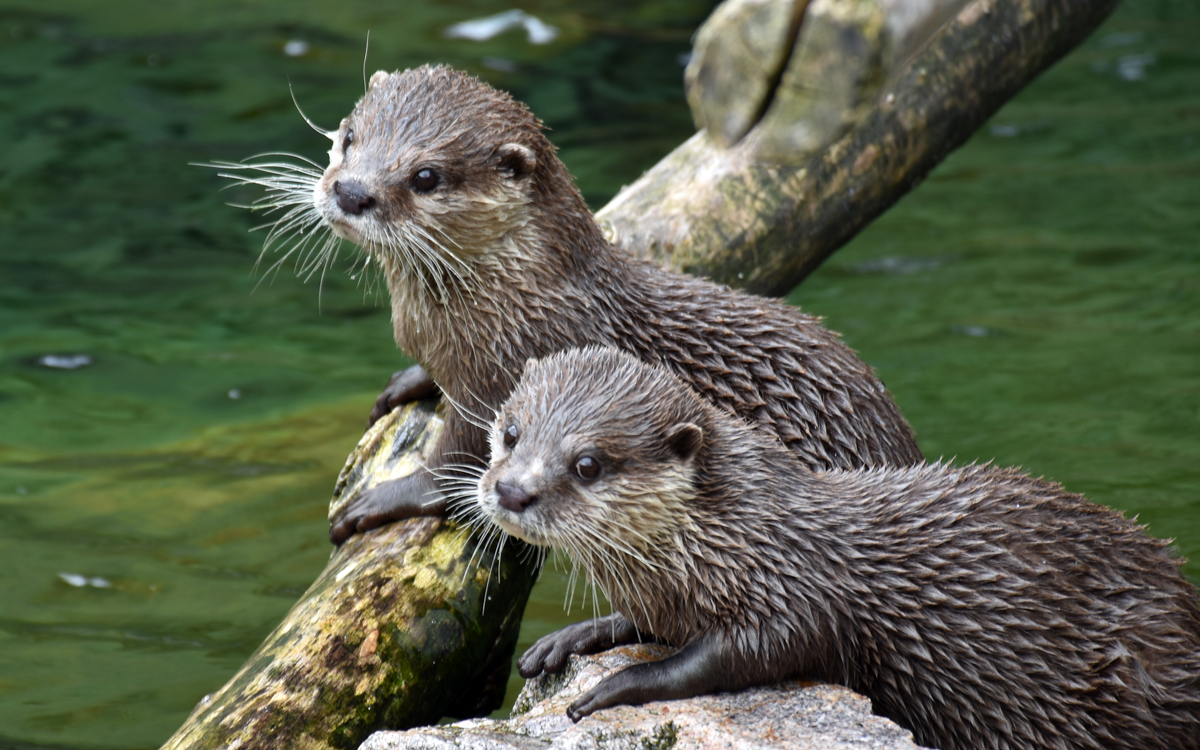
x=491, y=257
x=976, y=606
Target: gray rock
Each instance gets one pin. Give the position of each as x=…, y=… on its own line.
x=793, y=714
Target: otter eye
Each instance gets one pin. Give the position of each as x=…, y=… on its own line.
x=349, y=139
x=587, y=468
x=510, y=436
x=425, y=180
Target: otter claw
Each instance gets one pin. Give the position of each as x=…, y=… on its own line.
x=551, y=652
x=549, y=657
x=409, y=497
x=581, y=708
x=406, y=385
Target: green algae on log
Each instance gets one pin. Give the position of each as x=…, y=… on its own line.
x=741, y=219
x=393, y=634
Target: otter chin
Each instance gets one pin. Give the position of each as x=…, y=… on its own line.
x=974, y=605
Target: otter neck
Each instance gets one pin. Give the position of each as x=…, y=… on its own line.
x=496, y=316
x=739, y=485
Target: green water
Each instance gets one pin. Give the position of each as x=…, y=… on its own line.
x=1036, y=301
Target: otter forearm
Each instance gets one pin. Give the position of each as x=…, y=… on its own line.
x=418, y=494
x=701, y=667
x=413, y=496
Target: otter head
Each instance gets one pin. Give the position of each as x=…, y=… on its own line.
x=434, y=173
x=595, y=453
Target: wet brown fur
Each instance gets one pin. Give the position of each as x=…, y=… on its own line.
x=523, y=271
x=977, y=606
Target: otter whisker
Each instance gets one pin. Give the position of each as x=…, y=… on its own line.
x=366, y=54
x=467, y=414
x=320, y=259
x=572, y=577
x=493, y=569
x=330, y=134
x=298, y=219
x=493, y=544
x=481, y=545
x=446, y=252
x=437, y=254
x=429, y=260
x=482, y=469
x=320, y=169
x=281, y=169
x=274, y=239
x=489, y=534
x=463, y=478
x=469, y=467
x=364, y=278
x=289, y=187
x=616, y=585
x=626, y=585
x=583, y=556
x=485, y=405
x=413, y=257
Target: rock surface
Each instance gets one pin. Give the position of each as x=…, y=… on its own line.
x=794, y=715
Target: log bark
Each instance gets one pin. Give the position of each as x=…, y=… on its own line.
x=409, y=623
x=742, y=217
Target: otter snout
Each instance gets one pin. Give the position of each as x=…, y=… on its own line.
x=511, y=497
x=352, y=196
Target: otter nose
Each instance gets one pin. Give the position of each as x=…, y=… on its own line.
x=513, y=498
x=352, y=197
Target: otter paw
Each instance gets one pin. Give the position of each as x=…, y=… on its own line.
x=409, y=497
x=406, y=385
x=550, y=653
x=591, y=702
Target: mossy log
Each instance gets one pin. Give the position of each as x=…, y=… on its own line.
x=760, y=218
x=409, y=623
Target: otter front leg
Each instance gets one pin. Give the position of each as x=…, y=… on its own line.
x=418, y=494
x=550, y=653
x=406, y=385
x=410, y=497
x=701, y=667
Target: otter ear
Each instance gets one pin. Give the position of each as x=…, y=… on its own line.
x=515, y=159
x=376, y=77
x=684, y=440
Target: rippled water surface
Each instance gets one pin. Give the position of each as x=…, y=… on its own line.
x=1036, y=301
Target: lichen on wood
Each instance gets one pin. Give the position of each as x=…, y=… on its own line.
x=407, y=624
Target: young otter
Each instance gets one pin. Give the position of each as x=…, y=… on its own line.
x=976, y=606
x=491, y=257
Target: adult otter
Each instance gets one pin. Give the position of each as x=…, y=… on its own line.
x=491, y=256
x=976, y=606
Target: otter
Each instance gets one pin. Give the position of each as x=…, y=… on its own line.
x=974, y=605
x=491, y=256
